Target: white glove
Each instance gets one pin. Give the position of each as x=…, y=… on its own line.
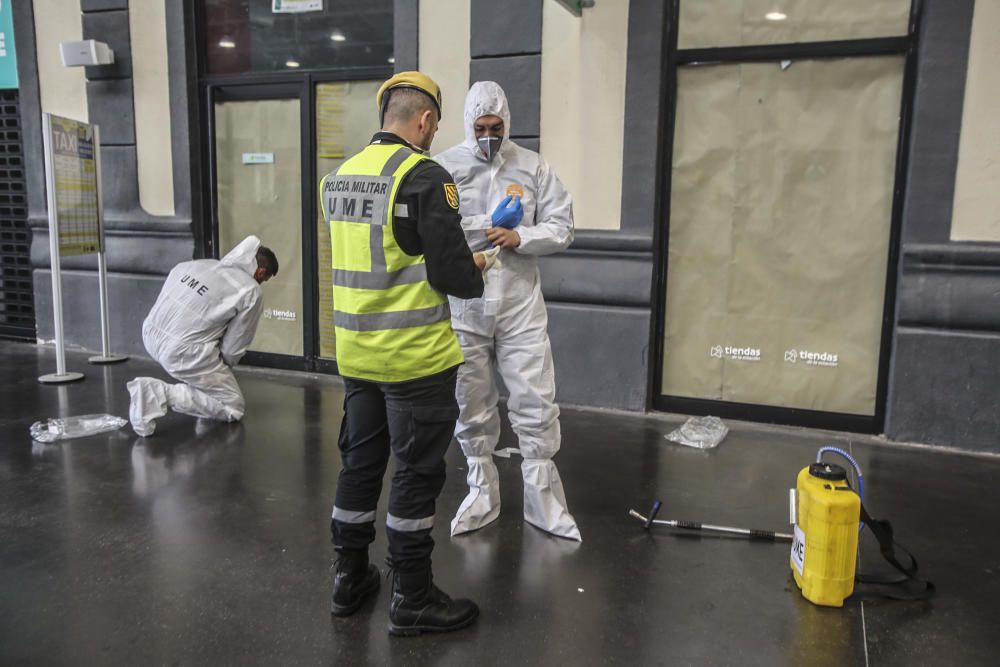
x=492, y=257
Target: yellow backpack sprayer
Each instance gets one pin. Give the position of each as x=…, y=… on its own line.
x=828, y=515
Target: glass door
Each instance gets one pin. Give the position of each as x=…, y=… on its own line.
x=258, y=190
x=271, y=144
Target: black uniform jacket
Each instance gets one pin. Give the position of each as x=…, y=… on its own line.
x=433, y=227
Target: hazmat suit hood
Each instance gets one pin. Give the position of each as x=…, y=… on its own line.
x=244, y=255
x=485, y=98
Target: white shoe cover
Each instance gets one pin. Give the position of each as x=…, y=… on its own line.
x=149, y=403
x=482, y=505
x=545, y=500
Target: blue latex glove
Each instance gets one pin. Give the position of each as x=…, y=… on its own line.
x=508, y=216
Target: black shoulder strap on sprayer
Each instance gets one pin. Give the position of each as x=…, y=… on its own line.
x=882, y=530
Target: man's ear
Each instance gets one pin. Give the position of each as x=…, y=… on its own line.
x=425, y=118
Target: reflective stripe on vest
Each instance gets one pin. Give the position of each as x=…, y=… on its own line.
x=391, y=325
x=394, y=320
x=368, y=280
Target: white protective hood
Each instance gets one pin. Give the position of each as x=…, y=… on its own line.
x=244, y=255
x=485, y=98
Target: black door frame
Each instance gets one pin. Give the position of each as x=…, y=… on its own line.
x=675, y=58
x=285, y=84
x=290, y=84
x=301, y=86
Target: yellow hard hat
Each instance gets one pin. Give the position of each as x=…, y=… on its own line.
x=416, y=80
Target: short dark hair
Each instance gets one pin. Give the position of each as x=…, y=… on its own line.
x=266, y=260
x=405, y=103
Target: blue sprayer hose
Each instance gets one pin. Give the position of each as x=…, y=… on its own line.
x=857, y=471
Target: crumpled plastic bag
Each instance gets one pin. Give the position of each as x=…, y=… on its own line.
x=699, y=432
x=51, y=430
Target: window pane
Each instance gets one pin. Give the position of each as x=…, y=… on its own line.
x=263, y=196
x=780, y=217
x=346, y=119
x=710, y=23
x=246, y=36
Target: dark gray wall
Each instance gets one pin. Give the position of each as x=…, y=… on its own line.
x=505, y=45
x=140, y=248
x=406, y=34
x=499, y=29
x=943, y=381
x=77, y=294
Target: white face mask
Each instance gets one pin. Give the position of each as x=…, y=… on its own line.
x=489, y=146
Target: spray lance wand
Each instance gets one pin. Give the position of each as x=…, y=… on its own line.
x=763, y=535
x=751, y=533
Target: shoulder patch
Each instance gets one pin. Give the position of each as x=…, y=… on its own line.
x=451, y=195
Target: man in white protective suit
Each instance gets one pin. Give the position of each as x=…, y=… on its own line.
x=200, y=326
x=511, y=200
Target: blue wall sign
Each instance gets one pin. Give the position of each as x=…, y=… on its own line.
x=8, y=54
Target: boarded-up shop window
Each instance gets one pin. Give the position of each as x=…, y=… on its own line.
x=780, y=220
x=712, y=23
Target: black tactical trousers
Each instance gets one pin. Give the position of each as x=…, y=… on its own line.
x=415, y=422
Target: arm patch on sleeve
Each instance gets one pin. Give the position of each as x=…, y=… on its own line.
x=451, y=195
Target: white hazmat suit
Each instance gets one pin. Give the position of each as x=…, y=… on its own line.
x=199, y=328
x=507, y=326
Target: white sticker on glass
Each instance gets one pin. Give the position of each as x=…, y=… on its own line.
x=258, y=158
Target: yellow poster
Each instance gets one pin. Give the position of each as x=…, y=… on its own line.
x=72, y=149
x=330, y=120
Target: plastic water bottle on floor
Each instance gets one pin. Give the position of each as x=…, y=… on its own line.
x=699, y=432
x=51, y=430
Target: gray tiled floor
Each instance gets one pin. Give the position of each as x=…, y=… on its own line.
x=208, y=544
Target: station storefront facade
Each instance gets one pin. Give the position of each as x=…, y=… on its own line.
x=755, y=235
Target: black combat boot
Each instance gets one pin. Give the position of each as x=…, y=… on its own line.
x=419, y=606
x=356, y=579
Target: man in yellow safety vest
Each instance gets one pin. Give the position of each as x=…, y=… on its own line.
x=398, y=251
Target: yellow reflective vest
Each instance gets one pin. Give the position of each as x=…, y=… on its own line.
x=390, y=324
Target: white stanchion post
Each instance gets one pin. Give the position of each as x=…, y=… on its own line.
x=60, y=376
x=102, y=269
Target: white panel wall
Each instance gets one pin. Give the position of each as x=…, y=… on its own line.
x=976, y=214
x=63, y=90
x=583, y=106
x=443, y=54
x=148, y=26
